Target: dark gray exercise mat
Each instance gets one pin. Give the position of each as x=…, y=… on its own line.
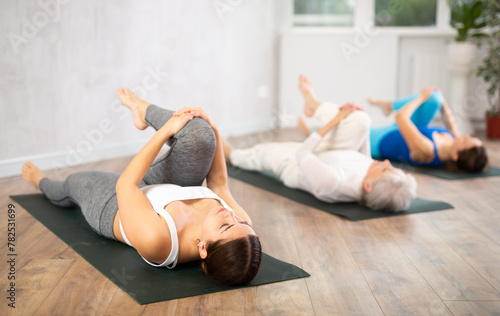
x=352, y=211
x=123, y=265
x=447, y=174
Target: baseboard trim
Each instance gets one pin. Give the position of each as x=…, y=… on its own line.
x=71, y=156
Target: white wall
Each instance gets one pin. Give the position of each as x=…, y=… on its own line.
x=339, y=71
x=62, y=62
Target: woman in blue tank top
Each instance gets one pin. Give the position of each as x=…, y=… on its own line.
x=411, y=140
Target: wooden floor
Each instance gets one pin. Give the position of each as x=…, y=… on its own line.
x=436, y=263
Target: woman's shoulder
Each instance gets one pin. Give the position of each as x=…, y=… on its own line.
x=430, y=131
x=157, y=246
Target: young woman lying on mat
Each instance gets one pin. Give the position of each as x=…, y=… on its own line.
x=160, y=208
x=334, y=163
x=411, y=140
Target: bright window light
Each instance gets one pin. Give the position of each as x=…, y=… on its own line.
x=323, y=12
x=405, y=13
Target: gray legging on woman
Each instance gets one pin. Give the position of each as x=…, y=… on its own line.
x=186, y=163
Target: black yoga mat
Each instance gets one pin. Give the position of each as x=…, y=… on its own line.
x=447, y=174
x=123, y=265
x=352, y=211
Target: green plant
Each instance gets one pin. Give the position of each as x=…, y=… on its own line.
x=490, y=67
x=467, y=19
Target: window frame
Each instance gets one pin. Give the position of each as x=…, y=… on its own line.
x=364, y=10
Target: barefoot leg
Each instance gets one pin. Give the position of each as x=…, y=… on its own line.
x=310, y=102
x=32, y=174
x=136, y=105
x=303, y=127
x=386, y=106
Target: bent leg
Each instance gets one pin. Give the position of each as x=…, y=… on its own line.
x=156, y=116
x=278, y=158
x=426, y=112
x=326, y=111
x=376, y=136
x=310, y=101
x=398, y=104
x=351, y=134
x=93, y=191
x=191, y=152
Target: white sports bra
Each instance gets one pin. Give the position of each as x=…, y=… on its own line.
x=160, y=195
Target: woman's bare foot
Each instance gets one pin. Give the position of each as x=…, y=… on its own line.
x=303, y=127
x=136, y=105
x=32, y=174
x=311, y=104
x=386, y=106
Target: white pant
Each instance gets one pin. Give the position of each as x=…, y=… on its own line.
x=352, y=134
x=279, y=158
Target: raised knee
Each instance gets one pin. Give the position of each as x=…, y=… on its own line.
x=436, y=98
x=361, y=119
x=198, y=135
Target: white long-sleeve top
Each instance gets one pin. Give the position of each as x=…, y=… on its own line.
x=331, y=176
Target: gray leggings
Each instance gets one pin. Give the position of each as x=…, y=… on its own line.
x=186, y=163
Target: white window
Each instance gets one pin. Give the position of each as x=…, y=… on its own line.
x=323, y=12
x=406, y=16
x=405, y=13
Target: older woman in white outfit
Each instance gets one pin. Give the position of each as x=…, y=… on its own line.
x=334, y=162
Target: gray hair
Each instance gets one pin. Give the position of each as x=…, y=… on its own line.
x=392, y=192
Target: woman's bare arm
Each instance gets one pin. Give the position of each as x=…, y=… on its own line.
x=344, y=112
x=421, y=148
x=140, y=222
x=217, y=179
x=449, y=119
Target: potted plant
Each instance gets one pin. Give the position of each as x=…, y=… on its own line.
x=467, y=19
x=490, y=67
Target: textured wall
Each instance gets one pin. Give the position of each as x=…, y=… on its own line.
x=62, y=61
x=337, y=77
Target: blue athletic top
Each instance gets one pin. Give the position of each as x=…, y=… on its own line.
x=394, y=147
